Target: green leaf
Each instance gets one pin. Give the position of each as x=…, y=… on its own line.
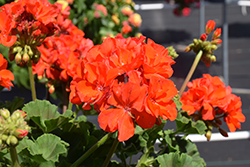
x=47, y=164
x=180, y=145
x=175, y=160
x=49, y=147
x=45, y=115
x=186, y=125
x=23, y=144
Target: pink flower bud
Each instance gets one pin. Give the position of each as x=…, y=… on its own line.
x=23, y=114
x=26, y=58
x=21, y=133
x=18, y=59
x=210, y=26
x=5, y=113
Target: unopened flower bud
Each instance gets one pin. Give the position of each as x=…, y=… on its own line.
x=210, y=26
x=26, y=58
x=5, y=113
x=208, y=135
x=23, y=114
x=172, y=52
x=203, y=37
x=223, y=132
x=214, y=47
x=213, y=58
x=195, y=41
x=216, y=41
x=13, y=140
x=217, y=33
x=20, y=133
x=51, y=89
x=188, y=49
x=18, y=59
x=4, y=137
x=15, y=115
x=8, y=140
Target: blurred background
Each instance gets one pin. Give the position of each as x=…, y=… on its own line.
x=164, y=27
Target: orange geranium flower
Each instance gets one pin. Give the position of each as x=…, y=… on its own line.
x=159, y=100
x=127, y=106
x=209, y=99
x=205, y=93
x=156, y=60
x=233, y=116
x=5, y=75
x=126, y=81
x=99, y=77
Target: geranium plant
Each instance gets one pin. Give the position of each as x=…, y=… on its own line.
x=126, y=82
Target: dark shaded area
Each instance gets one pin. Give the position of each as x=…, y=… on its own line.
x=167, y=36
x=26, y=94
x=239, y=30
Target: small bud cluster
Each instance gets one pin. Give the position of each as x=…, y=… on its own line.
x=23, y=55
x=172, y=52
x=12, y=127
x=206, y=46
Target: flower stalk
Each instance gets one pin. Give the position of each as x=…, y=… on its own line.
x=32, y=81
x=92, y=149
x=14, y=158
x=191, y=71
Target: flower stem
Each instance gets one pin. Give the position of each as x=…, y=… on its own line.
x=191, y=71
x=32, y=82
x=91, y=150
x=111, y=152
x=70, y=106
x=14, y=158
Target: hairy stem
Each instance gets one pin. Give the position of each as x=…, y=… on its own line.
x=14, y=158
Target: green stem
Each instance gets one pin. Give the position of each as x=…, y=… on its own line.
x=32, y=81
x=111, y=152
x=14, y=158
x=70, y=106
x=91, y=150
x=191, y=71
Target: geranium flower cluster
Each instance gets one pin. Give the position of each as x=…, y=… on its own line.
x=209, y=99
x=61, y=53
x=6, y=76
x=127, y=81
x=184, y=6
x=207, y=47
x=24, y=24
